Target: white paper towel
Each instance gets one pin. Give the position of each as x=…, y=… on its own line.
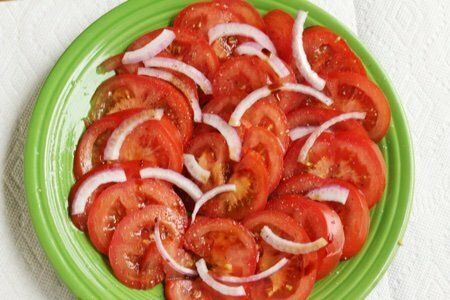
x=410, y=39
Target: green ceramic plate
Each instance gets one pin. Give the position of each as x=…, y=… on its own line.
x=56, y=126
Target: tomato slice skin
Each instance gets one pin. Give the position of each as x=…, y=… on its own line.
x=155, y=141
x=133, y=91
x=355, y=92
x=267, y=145
x=133, y=256
x=296, y=279
x=90, y=148
x=225, y=244
x=319, y=221
x=251, y=179
x=345, y=156
x=315, y=116
x=279, y=26
x=354, y=214
x=327, y=52
x=131, y=169
x=118, y=200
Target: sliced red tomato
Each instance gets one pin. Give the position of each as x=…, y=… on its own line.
x=267, y=145
x=319, y=221
x=131, y=169
x=245, y=11
x=90, y=148
x=279, y=26
x=345, y=156
x=327, y=52
x=251, y=179
x=156, y=142
x=354, y=214
x=127, y=91
x=133, y=256
x=296, y=279
x=314, y=116
x=354, y=92
x=185, y=289
x=211, y=152
x=200, y=17
x=269, y=116
x=227, y=246
x=121, y=199
x=248, y=73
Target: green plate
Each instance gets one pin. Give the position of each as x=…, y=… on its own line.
x=57, y=124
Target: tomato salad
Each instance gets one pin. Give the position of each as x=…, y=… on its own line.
x=231, y=156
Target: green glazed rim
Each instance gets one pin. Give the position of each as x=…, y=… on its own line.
x=57, y=124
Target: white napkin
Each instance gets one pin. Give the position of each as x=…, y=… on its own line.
x=409, y=39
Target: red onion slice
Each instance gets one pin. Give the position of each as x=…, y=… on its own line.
x=175, y=81
x=304, y=89
x=153, y=48
x=299, y=54
x=228, y=29
x=229, y=133
x=194, y=168
x=118, y=136
x=210, y=195
x=175, y=178
x=287, y=246
x=246, y=103
x=91, y=184
x=166, y=256
x=169, y=63
x=299, y=132
x=302, y=157
x=202, y=270
x=255, y=49
x=264, y=274
x=334, y=192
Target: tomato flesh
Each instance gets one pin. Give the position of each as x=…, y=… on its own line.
x=227, y=246
x=279, y=26
x=133, y=256
x=319, y=221
x=296, y=279
x=118, y=200
x=251, y=179
x=133, y=91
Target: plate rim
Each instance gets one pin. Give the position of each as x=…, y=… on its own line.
x=32, y=158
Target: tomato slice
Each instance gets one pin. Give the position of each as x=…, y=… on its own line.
x=156, y=142
x=121, y=199
x=131, y=169
x=319, y=221
x=296, y=279
x=200, y=17
x=245, y=11
x=211, y=152
x=248, y=73
x=185, y=289
x=90, y=148
x=279, y=26
x=267, y=145
x=314, y=116
x=251, y=179
x=327, y=52
x=133, y=255
x=133, y=91
x=354, y=92
x=227, y=246
x=342, y=155
x=354, y=214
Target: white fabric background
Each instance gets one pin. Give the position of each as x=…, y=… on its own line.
x=411, y=40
